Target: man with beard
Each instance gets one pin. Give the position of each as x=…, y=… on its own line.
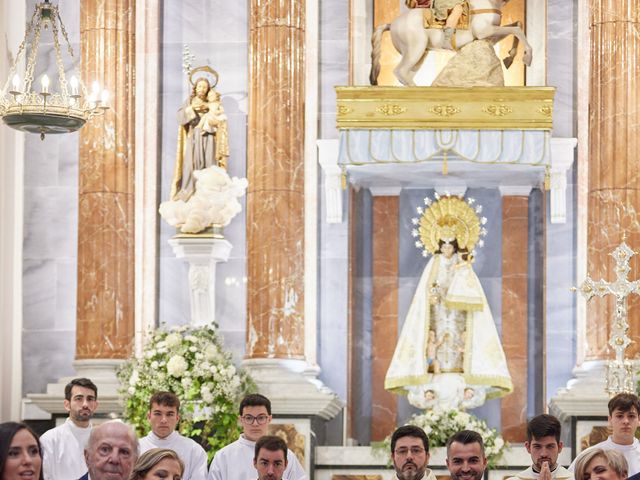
x=270, y=457
x=465, y=456
x=544, y=445
x=410, y=453
x=63, y=446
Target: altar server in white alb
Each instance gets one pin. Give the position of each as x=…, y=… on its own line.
x=544, y=445
x=63, y=446
x=164, y=408
x=623, y=420
x=236, y=460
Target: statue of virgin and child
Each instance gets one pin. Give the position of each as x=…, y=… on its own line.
x=203, y=139
x=449, y=354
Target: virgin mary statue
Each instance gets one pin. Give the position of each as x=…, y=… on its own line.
x=449, y=354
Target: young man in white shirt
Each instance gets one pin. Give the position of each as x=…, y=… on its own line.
x=63, y=446
x=164, y=408
x=235, y=461
x=544, y=445
x=623, y=420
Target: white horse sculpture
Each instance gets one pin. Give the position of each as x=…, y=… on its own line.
x=413, y=41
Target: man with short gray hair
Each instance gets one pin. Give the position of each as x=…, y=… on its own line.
x=111, y=452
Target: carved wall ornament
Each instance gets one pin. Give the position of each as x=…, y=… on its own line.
x=390, y=110
x=547, y=110
x=497, y=110
x=445, y=110
x=343, y=110
x=199, y=277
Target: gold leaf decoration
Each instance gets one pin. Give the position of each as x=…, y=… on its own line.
x=390, y=110
x=343, y=109
x=547, y=110
x=444, y=110
x=497, y=110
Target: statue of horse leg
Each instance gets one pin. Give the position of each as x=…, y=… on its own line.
x=508, y=60
x=412, y=46
x=499, y=33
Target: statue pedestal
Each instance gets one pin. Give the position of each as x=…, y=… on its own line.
x=202, y=254
x=584, y=395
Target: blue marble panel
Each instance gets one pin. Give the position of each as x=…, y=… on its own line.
x=46, y=357
x=39, y=294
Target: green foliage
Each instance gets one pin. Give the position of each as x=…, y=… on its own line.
x=191, y=363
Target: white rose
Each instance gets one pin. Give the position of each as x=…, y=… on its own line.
x=154, y=365
x=176, y=366
x=499, y=443
x=131, y=390
x=193, y=349
x=211, y=351
x=173, y=340
x=191, y=338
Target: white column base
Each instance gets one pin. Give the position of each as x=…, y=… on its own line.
x=293, y=388
x=202, y=254
x=102, y=372
x=584, y=395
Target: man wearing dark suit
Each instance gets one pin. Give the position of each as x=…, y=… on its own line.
x=111, y=452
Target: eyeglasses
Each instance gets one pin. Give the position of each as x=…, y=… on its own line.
x=250, y=419
x=402, y=452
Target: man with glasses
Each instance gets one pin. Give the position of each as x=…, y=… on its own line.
x=235, y=461
x=410, y=453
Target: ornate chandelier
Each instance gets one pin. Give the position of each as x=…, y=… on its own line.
x=47, y=111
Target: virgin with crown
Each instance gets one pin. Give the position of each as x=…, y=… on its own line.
x=449, y=354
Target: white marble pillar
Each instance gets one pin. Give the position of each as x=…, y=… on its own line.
x=12, y=21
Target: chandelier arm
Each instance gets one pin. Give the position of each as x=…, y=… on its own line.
x=64, y=34
x=56, y=44
x=12, y=70
x=31, y=62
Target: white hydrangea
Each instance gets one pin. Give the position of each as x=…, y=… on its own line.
x=176, y=366
x=173, y=340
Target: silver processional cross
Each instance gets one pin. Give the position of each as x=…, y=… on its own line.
x=620, y=377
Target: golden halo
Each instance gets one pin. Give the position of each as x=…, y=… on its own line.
x=446, y=219
x=206, y=69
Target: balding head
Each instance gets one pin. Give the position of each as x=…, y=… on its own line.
x=112, y=451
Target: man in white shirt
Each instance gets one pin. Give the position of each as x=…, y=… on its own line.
x=623, y=420
x=235, y=461
x=163, y=416
x=410, y=453
x=63, y=446
x=544, y=445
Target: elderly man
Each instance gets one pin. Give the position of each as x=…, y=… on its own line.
x=111, y=452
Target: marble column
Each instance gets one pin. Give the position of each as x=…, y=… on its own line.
x=384, y=312
x=515, y=213
x=275, y=198
x=105, y=303
x=608, y=183
x=275, y=342
x=614, y=164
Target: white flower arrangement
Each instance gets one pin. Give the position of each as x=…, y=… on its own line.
x=441, y=424
x=191, y=363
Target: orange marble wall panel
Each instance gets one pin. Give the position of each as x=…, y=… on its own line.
x=514, y=11
x=384, y=313
x=614, y=163
x=105, y=302
x=385, y=11
x=515, y=211
x=275, y=169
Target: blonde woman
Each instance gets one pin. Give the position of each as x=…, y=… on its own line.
x=599, y=464
x=158, y=463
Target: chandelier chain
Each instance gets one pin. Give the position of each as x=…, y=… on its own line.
x=31, y=62
x=56, y=43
